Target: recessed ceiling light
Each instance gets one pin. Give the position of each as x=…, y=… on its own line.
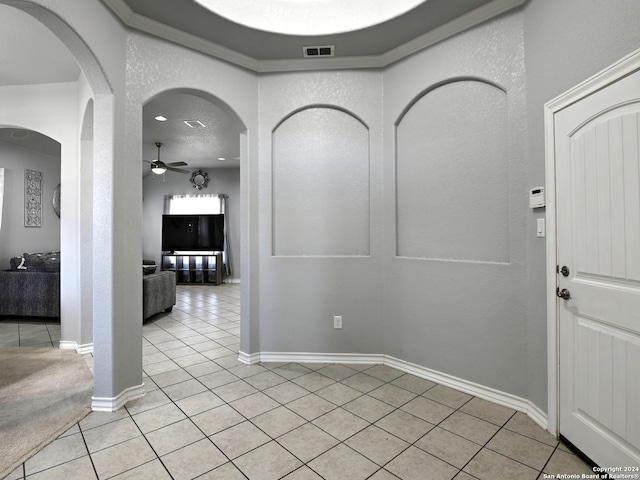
x=161, y=118
x=20, y=134
x=222, y=159
x=195, y=123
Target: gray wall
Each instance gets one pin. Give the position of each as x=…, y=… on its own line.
x=15, y=238
x=321, y=197
x=221, y=180
x=455, y=263
x=565, y=43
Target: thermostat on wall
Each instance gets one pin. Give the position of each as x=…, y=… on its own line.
x=536, y=197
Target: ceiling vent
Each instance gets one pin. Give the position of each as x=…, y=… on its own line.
x=194, y=123
x=318, y=51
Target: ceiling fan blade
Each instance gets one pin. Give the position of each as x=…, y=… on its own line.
x=148, y=161
x=180, y=170
x=178, y=164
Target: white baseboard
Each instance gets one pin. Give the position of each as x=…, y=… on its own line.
x=81, y=349
x=319, y=357
x=486, y=393
x=105, y=404
x=85, y=349
x=247, y=358
x=68, y=345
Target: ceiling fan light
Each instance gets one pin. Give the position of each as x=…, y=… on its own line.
x=158, y=168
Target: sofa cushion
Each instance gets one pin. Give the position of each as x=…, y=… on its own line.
x=29, y=293
x=37, y=262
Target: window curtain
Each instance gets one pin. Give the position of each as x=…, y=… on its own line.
x=202, y=204
x=1, y=193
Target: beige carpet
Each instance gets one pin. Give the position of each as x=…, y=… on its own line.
x=43, y=392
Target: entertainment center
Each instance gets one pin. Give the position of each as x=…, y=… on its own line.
x=192, y=247
x=199, y=267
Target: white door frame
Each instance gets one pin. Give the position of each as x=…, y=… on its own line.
x=600, y=80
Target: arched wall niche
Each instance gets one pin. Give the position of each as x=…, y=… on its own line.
x=321, y=183
x=452, y=174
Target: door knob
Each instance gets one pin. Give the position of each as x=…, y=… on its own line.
x=564, y=293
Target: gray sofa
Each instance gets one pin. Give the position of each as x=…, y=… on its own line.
x=32, y=288
x=158, y=293
x=27, y=293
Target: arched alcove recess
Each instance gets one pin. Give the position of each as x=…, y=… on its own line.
x=321, y=184
x=452, y=174
x=76, y=214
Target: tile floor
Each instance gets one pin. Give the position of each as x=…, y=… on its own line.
x=208, y=416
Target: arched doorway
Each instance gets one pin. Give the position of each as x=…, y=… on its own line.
x=198, y=129
x=52, y=108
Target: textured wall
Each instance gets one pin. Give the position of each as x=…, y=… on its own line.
x=303, y=286
x=456, y=204
x=321, y=184
x=15, y=238
x=452, y=175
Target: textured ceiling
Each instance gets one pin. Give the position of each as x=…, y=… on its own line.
x=30, y=53
x=30, y=140
x=188, y=16
x=199, y=146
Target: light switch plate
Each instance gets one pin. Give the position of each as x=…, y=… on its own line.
x=540, y=231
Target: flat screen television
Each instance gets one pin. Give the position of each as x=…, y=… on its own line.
x=192, y=233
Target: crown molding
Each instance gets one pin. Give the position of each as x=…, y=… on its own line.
x=458, y=25
x=144, y=24
x=121, y=9
x=153, y=27
x=310, y=64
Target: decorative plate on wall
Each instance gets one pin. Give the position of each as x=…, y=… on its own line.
x=199, y=179
x=56, y=200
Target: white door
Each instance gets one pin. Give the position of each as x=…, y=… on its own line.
x=597, y=144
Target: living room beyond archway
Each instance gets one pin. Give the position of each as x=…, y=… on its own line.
x=200, y=139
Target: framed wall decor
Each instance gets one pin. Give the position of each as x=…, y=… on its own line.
x=32, y=198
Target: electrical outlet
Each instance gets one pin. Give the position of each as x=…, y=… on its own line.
x=337, y=321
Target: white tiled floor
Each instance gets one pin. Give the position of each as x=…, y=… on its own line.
x=208, y=416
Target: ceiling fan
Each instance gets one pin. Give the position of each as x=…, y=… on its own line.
x=159, y=167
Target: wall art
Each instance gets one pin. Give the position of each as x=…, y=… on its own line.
x=32, y=198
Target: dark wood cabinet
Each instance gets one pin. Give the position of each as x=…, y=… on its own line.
x=194, y=268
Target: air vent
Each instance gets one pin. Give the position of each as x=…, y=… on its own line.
x=318, y=51
x=194, y=123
